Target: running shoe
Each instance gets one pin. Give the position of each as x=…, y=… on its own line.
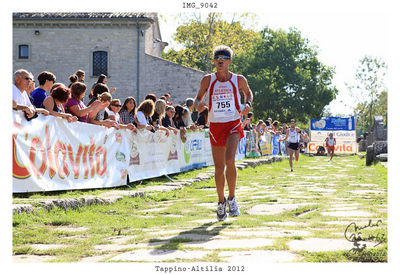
x=221, y=210
x=291, y=170
x=233, y=207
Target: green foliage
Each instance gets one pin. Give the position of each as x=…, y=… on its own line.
x=286, y=77
x=198, y=40
x=369, y=92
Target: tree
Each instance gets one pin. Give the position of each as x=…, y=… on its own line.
x=286, y=77
x=198, y=40
x=370, y=92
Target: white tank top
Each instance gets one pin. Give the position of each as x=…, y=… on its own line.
x=330, y=141
x=223, y=99
x=294, y=137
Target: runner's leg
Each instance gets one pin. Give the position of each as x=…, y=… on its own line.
x=291, y=158
x=231, y=146
x=218, y=153
x=296, y=154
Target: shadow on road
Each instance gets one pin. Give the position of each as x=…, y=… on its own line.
x=184, y=236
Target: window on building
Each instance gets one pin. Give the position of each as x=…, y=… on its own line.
x=100, y=63
x=23, y=51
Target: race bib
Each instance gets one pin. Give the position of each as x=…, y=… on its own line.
x=223, y=105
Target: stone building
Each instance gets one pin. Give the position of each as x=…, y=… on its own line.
x=124, y=46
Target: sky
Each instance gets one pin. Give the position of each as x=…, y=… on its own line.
x=342, y=38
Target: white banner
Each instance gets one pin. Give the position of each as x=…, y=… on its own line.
x=345, y=141
x=341, y=147
x=320, y=136
x=51, y=154
x=154, y=155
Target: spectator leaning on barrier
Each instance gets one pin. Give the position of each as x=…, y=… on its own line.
x=128, y=111
x=23, y=81
x=55, y=102
x=46, y=80
x=159, y=113
x=75, y=105
x=189, y=106
x=180, y=114
x=114, y=108
x=168, y=121
x=100, y=115
x=202, y=120
x=144, y=111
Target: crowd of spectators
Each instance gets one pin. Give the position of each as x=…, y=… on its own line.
x=102, y=109
x=99, y=106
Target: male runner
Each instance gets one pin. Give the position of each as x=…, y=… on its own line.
x=293, y=134
x=330, y=142
x=226, y=130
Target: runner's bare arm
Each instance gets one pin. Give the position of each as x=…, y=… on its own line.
x=204, y=84
x=248, y=94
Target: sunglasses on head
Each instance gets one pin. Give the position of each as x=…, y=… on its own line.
x=222, y=57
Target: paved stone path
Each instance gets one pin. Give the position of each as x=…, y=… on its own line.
x=278, y=240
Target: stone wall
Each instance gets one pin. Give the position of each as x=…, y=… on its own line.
x=64, y=50
x=162, y=76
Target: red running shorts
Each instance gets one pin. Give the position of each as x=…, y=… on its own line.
x=220, y=131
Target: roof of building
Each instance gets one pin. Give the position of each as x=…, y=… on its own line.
x=83, y=15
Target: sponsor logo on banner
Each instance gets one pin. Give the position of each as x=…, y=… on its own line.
x=333, y=124
x=350, y=147
x=320, y=136
x=51, y=154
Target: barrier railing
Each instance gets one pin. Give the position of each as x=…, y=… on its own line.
x=51, y=154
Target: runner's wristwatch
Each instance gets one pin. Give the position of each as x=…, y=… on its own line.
x=249, y=103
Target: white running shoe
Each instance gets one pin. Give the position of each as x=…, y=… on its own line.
x=221, y=210
x=233, y=207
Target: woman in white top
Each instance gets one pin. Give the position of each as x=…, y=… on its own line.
x=293, y=134
x=145, y=111
x=114, y=108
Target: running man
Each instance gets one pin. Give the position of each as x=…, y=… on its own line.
x=293, y=134
x=226, y=130
x=330, y=142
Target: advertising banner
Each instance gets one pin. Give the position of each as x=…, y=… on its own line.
x=340, y=136
x=265, y=143
x=251, y=144
x=275, y=145
x=343, y=129
x=340, y=148
x=51, y=154
x=333, y=124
